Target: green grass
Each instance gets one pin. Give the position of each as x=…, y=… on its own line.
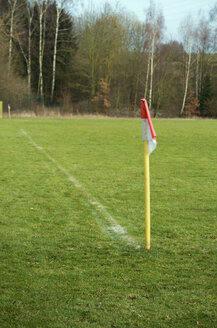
x=61, y=265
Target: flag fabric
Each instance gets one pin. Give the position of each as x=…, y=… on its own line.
x=148, y=132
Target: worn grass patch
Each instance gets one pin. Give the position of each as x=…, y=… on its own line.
x=62, y=264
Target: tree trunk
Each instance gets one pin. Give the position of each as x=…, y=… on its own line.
x=40, y=84
x=197, y=75
x=27, y=54
x=29, y=62
x=187, y=78
x=147, y=75
x=13, y=7
x=151, y=73
x=55, y=53
x=92, y=59
x=136, y=94
x=43, y=5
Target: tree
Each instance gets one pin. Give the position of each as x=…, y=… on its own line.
x=154, y=27
x=12, y=6
x=28, y=59
x=40, y=52
x=102, y=41
x=60, y=51
x=41, y=6
x=192, y=104
x=206, y=96
x=202, y=44
x=60, y=16
x=213, y=21
x=23, y=37
x=11, y=86
x=188, y=35
x=101, y=100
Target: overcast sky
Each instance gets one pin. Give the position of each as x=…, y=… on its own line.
x=174, y=11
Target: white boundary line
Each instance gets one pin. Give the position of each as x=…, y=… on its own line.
x=113, y=225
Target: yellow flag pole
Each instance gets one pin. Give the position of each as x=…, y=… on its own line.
x=147, y=195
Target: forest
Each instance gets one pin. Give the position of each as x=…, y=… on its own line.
x=104, y=61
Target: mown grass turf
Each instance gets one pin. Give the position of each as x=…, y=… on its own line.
x=62, y=267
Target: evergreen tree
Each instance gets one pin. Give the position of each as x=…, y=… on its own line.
x=206, y=96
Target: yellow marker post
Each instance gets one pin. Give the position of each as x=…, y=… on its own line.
x=147, y=196
x=1, y=109
x=149, y=138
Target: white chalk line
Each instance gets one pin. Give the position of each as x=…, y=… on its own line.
x=114, y=226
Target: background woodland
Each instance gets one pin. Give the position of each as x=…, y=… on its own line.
x=104, y=61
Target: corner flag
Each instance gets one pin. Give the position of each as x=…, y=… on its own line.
x=148, y=132
x=150, y=143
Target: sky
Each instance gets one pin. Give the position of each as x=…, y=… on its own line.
x=174, y=11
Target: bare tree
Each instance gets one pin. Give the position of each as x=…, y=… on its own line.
x=30, y=12
x=27, y=51
x=12, y=6
x=42, y=6
x=102, y=38
x=154, y=27
x=60, y=16
x=10, y=85
x=202, y=46
x=188, y=35
x=213, y=21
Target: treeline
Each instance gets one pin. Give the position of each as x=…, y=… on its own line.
x=105, y=60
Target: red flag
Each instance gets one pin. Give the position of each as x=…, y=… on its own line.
x=148, y=132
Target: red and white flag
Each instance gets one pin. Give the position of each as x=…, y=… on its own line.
x=148, y=132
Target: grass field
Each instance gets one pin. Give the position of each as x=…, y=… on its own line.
x=72, y=224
